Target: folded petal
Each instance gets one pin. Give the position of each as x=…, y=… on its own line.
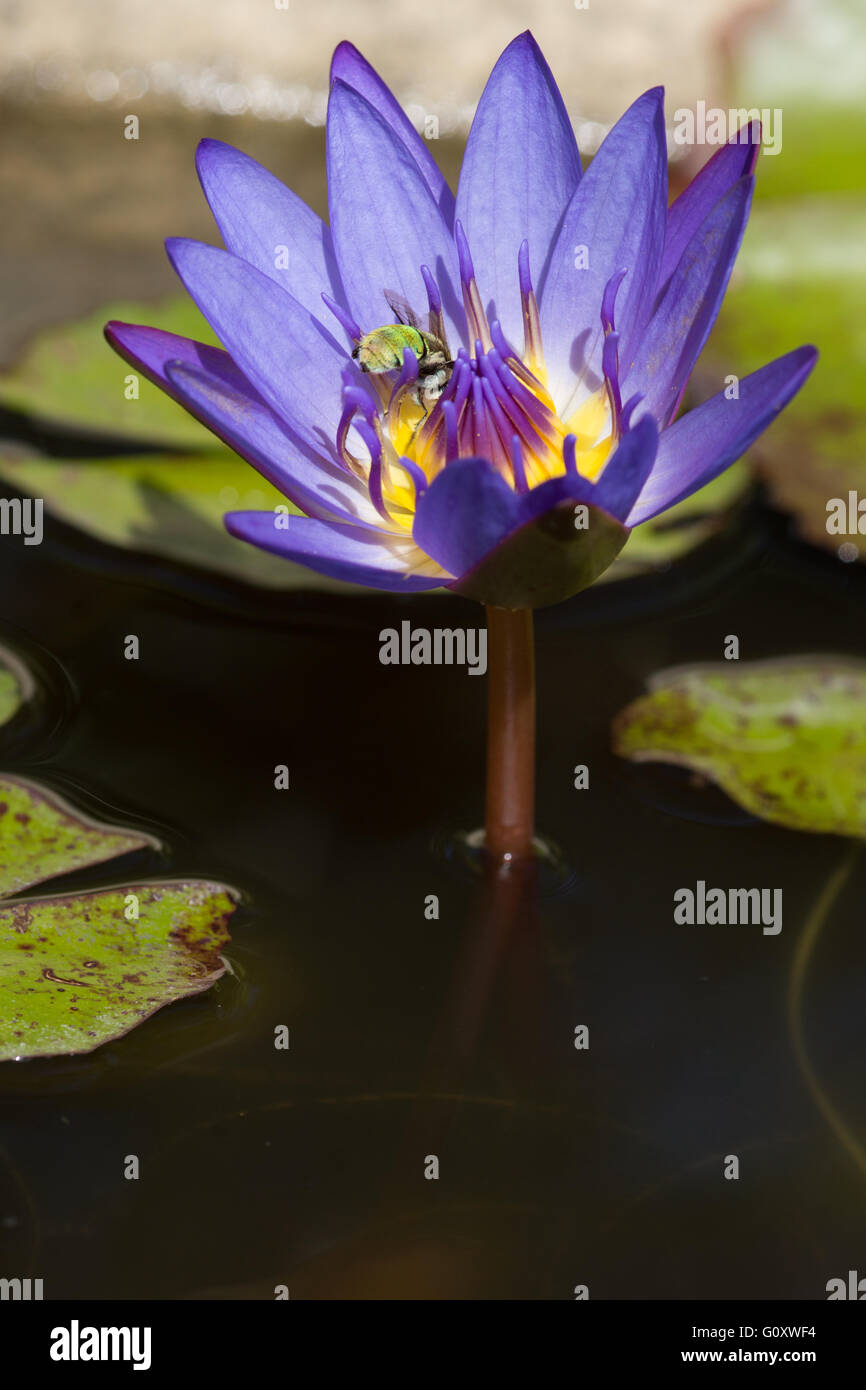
x=384, y=220
x=626, y=472
x=285, y=353
x=615, y=221
x=150, y=349
x=735, y=160
x=464, y=513
x=703, y=443
x=316, y=483
x=350, y=553
x=677, y=331
x=519, y=173
x=512, y=549
x=264, y=223
x=469, y=508
x=351, y=67
x=615, y=492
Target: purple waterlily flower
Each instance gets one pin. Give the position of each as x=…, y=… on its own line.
x=476, y=392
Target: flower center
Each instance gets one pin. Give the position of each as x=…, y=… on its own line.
x=491, y=403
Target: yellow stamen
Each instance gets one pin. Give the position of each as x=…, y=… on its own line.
x=541, y=431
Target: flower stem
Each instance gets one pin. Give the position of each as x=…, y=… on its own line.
x=510, y=733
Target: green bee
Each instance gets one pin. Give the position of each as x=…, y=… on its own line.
x=382, y=351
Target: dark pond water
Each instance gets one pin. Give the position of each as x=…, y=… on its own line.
x=453, y=1037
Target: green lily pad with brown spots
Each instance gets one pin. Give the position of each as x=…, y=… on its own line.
x=79, y=970
x=42, y=836
x=786, y=739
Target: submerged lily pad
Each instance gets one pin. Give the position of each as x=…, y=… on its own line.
x=170, y=505
x=41, y=836
x=76, y=972
x=786, y=739
x=69, y=374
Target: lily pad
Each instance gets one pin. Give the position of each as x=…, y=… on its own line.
x=79, y=969
x=170, y=505
x=69, y=374
x=786, y=739
x=41, y=836
x=657, y=543
x=802, y=278
x=76, y=972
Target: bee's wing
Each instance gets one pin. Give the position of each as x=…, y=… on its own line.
x=403, y=311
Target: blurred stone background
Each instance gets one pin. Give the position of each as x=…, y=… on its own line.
x=257, y=53
x=87, y=210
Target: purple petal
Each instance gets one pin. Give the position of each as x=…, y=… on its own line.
x=285, y=353
x=384, y=219
x=513, y=549
x=350, y=553
x=465, y=513
x=264, y=223
x=206, y=382
x=625, y=473
x=520, y=170
x=319, y=485
x=733, y=161
x=351, y=67
x=681, y=324
x=150, y=349
x=703, y=443
x=618, y=215
x=469, y=508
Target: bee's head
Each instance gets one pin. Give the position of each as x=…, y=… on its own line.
x=355, y=350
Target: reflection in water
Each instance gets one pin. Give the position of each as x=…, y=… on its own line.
x=421, y=1241
x=806, y=943
x=500, y=951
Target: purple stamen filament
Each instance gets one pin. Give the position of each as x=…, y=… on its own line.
x=493, y=403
